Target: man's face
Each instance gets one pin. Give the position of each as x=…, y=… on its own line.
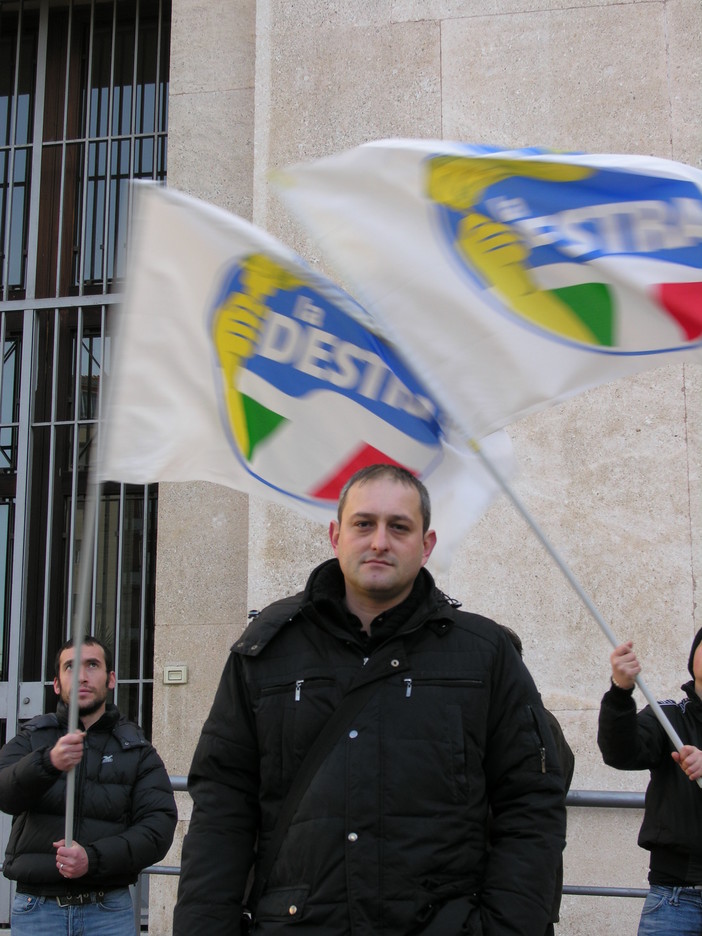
x=379, y=542
x=94, y=681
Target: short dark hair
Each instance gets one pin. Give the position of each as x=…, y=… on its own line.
x=88, y=641
x=395, y=473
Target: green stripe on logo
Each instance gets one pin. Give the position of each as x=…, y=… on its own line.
x=592, y=303
x=260, y=421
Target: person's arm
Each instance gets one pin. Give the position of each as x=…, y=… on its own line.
x=152, y=823
x=26, y=774
x=527, y=799
x=644, y=743
x=218, y=850
x=626, y=740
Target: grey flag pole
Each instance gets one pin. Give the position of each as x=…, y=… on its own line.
x=577, y=588
x=80, y=621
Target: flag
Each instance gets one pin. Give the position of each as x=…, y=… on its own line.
x=236, y=363
x=515, y=278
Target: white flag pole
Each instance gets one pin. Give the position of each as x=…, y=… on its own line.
x=577, y=588
x=80, y=620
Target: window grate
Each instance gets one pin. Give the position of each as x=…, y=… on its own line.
x=83, y=112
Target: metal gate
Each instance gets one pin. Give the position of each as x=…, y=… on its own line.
x=83, y=111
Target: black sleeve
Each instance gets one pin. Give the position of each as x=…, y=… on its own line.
x=527, y=799
x=566, y=758
x=25, y=774
x=218, y=850
x=151, y=828
x=629, y=741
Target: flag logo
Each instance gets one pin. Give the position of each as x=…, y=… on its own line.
x=285, y=350
x=563, y=248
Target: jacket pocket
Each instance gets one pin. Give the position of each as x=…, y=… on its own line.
x=282, y=904
x=290, y=712
x=433, y=710
x=453, y=917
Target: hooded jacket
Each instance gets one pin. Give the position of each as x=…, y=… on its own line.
x=672, y=825
x=125, y=813
x=390, y=837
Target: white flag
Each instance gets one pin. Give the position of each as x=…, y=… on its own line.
x=514, y=278
x=235, y=363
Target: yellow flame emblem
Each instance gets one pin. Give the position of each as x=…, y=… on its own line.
x=496, y=250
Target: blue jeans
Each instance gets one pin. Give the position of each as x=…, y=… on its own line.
x=671, y=911
x=42, y=916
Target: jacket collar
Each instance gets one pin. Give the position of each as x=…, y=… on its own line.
x=322, y=599
x=326, y=592
x=689, y=689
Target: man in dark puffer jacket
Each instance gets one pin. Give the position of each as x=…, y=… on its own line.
x=125, y=813
x=389, y=836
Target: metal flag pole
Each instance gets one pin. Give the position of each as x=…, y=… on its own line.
x=577, y=588
x=80, y=620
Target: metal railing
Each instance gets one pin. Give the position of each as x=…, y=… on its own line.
x=603, y=799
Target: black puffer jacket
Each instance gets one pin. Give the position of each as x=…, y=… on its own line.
x=125, y=813
x=393, y=826
x=672, y=823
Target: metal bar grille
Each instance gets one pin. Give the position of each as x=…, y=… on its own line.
x=11, y=51
x=76, y=127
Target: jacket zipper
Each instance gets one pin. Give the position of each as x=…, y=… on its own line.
x=295, y=686
x=542, y=747
x=457, y=683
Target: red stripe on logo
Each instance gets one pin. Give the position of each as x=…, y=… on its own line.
x=684, y=302
x=366, y=455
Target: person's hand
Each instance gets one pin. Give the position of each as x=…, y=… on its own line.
x=72, y=862
x=67, y=751
x=625, y=666
x=690, y=760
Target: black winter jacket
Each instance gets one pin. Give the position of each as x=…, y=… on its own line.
x=672, y=825
x=391, y=836
x=125, y=813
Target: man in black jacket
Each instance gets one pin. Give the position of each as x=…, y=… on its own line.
x=434, y=720
x=672, y=825
x=125, y=813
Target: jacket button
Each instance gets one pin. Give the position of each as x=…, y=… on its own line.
x=292, y=910
x=353, y=733
x=352, y=837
